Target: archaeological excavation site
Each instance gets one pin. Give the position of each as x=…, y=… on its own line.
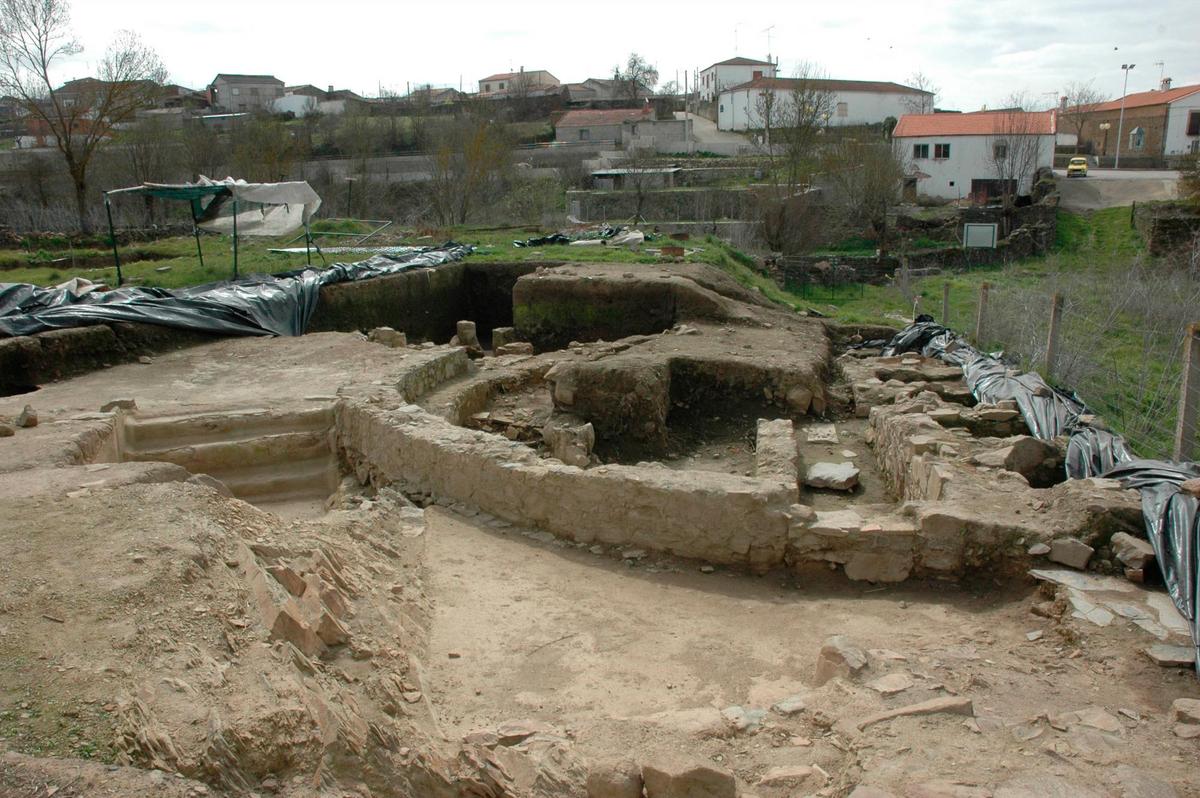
x=597, y=530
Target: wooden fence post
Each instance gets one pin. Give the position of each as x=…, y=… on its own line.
x=946, y=304
x=1189, y=398
x=981, y=312
x=1056, y=309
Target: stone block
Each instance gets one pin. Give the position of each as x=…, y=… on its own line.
x=1071, y=552
x=867, y=566
x=514, y=348
x=388, y=337
x=775, y=452
x=1132, y=552
x=838, y=657
x=832, y=476
x=502, y=336
x=678, y=777
x=620, y=779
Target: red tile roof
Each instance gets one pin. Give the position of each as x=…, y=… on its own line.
x=980, y=123
x=1144, y=98
x=612, y=116
x=787, y=84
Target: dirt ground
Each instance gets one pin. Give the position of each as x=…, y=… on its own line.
x=642, y=654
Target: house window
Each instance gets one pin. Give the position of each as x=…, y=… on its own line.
x=920, y=151
x=722, y=106
x=585, y=134
x=843, y=110
x=1137, y=138
x=999, y=150
x=501, y=87
x=1193, y=125
x=236, y=91
x=941, y=151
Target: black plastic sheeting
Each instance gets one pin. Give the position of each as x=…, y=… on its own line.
x=562, y=239
x=1172, y=518
x=258, y=304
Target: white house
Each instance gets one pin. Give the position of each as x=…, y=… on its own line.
x=953, y=156
x=854, y=102
x=732, y=72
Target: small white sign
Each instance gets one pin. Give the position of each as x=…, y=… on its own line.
x=979, y=235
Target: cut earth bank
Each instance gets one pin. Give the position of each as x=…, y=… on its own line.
x=594, y=570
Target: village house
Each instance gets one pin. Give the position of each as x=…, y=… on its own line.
x=1158, y=124
x=954, y=156
x=732, y=72
x=853, y=102
x=601, y=91
x=523, y=82
x=598, y=124
x=244, y=92
x=301, y=101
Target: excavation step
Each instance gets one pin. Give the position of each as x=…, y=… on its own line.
x=216, y=456
x=168, y=432
x=279, y=480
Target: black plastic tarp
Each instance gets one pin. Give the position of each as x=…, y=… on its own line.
x=259, y=304
x=1171, y=517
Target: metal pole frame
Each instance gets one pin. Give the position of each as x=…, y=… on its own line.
x=112, y=237
x=1121, y=119
x=196, y=232
x=235, y=239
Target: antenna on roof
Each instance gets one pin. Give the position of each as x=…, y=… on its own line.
x=767, y=30
x=1161, y=68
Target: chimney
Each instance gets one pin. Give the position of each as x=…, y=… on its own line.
x=1165, y=84
x=330, y=89
x=1062, y=104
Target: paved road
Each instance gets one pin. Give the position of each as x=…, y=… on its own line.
x=1110, y=188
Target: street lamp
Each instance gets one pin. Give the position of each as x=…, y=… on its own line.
x=1104, y=147
x=1121, y=119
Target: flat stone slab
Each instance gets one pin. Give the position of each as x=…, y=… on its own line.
x=1170, y=656
x=832, y=476
x=821, y=433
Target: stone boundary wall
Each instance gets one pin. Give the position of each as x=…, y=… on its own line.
x=1166, y=226
x=720, y=518
x=667, y=205
x=431, y=370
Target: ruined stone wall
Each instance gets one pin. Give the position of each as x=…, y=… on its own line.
x=28, y=361
x=720, y=518
x=666, y=205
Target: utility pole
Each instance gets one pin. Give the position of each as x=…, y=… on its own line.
x=1121, y=119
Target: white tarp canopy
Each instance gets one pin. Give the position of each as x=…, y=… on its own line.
x=263, y=209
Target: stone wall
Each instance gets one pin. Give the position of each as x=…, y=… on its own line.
x=28, y=361
x=1166, y=226
x=424, y=303
x=666, y=205
x=719, y=518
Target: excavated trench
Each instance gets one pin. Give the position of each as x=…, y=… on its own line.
x=281, y=461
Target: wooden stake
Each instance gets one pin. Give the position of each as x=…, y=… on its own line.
x=1189, y=398
x=1056, y=309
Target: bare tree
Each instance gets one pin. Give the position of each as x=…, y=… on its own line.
x=1014, y=149
x=151, y=152
x=264, y=149
x=922, y=103
x=638, y=77
x=1081, y=100
x=867, y=178
x=34, y=36
x=792, y=116
x=469, y=155
x=1189, y=180
x=204, y=152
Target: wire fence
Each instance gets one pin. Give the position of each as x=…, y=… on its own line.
x=1120, y=343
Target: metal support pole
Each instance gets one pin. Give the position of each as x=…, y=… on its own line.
x=946, y=304
x=307, y=245
x=1121, y=119
x=112, y=237
x=1056, y=309
x=1189, y=398
x=981, y=313
x=235, y=241
x=199, y=252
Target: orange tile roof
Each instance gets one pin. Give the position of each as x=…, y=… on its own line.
x=613, y=116
x=980, y=123
x=1144, y=98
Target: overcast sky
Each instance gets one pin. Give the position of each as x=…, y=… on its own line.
x=977, y=53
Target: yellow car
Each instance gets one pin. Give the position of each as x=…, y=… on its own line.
x=1077, y=167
